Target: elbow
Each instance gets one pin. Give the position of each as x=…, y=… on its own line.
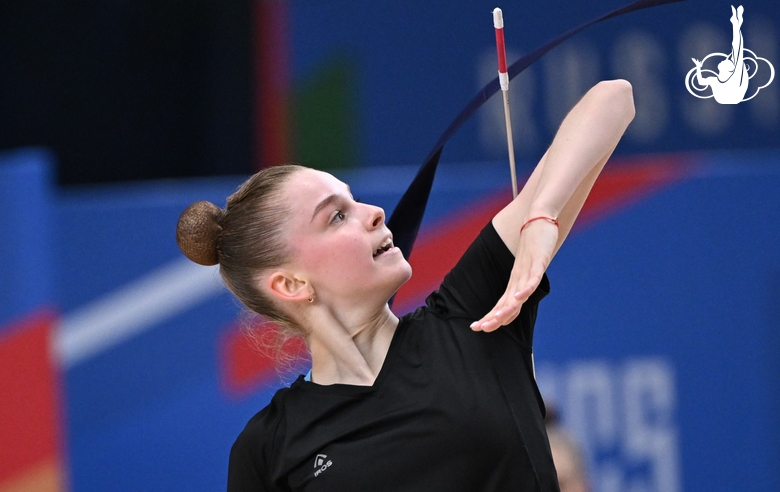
x=619, y=95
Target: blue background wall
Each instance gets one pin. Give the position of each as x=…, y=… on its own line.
x=420, y=62
x=659, y=343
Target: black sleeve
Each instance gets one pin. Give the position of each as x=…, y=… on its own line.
x=244, y=473
x=479, y=280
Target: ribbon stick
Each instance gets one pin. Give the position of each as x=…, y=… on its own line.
x=503, y=78
x=408, y=214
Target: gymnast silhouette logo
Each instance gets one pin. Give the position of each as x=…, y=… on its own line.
x=730, y=84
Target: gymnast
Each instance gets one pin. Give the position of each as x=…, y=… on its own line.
x=731, y=84
x=410, y=403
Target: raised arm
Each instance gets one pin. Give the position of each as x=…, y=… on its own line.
x=557, y=189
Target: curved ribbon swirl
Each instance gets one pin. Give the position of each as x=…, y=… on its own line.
x=408, y=214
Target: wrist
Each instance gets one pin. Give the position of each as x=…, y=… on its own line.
x=539, y=210
x=545, y=218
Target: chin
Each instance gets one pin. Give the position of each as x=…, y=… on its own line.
x=407, y=272
x=402, y=278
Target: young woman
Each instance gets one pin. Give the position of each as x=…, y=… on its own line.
x=399, y=404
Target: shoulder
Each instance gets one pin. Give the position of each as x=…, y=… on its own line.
x=264, y=424
x=253, y=449
x=488, y=244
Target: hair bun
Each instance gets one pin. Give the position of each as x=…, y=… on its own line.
x=197, y=232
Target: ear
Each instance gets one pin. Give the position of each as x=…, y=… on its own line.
x=285, y=286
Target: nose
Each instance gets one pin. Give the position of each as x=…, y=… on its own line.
x=376, y=217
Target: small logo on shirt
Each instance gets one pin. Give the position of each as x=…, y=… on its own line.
x=321, y=463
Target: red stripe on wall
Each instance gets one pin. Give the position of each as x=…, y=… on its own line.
x=247, y=362
x=631, y=181
x=30, y=410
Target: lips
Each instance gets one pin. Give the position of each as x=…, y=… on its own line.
x=386, y=245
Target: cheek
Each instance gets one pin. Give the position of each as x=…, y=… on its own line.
x=344, y=259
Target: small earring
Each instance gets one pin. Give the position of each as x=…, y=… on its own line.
x=311, y=298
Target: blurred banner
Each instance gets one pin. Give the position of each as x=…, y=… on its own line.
x=658, y=344
x=122, y=364
x=31, y=418
x=377, y=85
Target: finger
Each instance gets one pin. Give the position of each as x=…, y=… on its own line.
x=504, y=317
x=524, y=293
x=508, y=307
x=487, y=323
x=531, y=281
x=512, y=304
x=496, y=322
x=502, y=307
x=514, y=297
x=508, y=312
x=490, y=317
x=490, y=326
x=480, y=323
x=511, y=309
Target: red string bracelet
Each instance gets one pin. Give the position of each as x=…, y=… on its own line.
x=548, y=219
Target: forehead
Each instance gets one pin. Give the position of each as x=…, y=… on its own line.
x=308, y=188
x=313, y=181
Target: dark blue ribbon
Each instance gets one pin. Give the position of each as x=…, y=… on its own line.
x=408, y=214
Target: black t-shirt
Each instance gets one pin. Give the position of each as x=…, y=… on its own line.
x=435, y=419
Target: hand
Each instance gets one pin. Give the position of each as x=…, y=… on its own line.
x=696, y=62
x=537, y=245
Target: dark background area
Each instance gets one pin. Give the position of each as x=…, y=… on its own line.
x=129, y=90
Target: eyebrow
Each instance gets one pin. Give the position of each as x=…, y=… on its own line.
x=324, y=203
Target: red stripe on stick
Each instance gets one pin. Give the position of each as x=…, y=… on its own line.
x=501, y=50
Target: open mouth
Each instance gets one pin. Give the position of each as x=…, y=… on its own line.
x=386, y=245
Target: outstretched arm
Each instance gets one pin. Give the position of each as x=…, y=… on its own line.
x=558, y=188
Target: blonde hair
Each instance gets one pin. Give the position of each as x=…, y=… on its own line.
x=245, y=239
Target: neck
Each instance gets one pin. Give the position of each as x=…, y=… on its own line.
x=349, y=351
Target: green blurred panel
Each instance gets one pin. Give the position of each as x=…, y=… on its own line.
x=324, y=117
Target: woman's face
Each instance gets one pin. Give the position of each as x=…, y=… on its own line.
x=339, y=245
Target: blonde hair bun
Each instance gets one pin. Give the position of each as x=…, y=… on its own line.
x=198, y=231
